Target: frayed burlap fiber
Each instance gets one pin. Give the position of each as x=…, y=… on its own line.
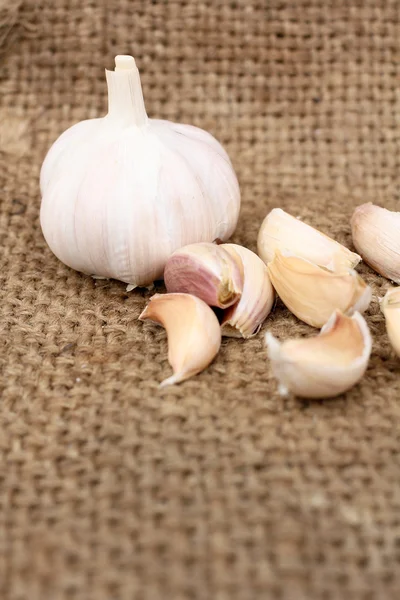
x=216, y=489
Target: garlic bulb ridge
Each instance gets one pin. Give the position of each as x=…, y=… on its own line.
x=121, y=193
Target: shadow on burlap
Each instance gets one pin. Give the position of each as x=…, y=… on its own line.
x=215, y=489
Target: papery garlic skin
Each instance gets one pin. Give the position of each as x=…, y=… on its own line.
x=390, y=306
x=193, y=330
x=245, y=318
x=313, y=293
x=325, y=365
x=376, y=236
x=120, y=194
x=281, y=231
x=207, y=271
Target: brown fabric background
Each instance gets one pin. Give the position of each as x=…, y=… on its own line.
x=111, y=489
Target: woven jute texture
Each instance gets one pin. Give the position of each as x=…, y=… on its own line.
x=216, y=489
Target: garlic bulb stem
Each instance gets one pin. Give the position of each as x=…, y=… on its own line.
x=124, y=61
x=125, y=96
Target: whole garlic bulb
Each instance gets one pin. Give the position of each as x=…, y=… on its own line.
x=121, y=193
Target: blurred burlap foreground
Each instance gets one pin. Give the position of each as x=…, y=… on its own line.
x=216, y=489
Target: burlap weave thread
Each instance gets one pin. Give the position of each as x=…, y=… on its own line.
x=217, y=489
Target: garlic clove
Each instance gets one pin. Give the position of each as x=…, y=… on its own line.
x=193, y=330
x=390, y=306
x=312, y=293
x=325, y=365
x=206, y=271
x=281, y=231
x=376, y=237
x=245, y=318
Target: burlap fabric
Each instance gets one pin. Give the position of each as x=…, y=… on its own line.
x=217, y=489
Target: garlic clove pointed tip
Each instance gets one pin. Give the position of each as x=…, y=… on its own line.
x=273, y=345
x=363, y=301
x=144, y=314
x=283, y=391
x=177, y=378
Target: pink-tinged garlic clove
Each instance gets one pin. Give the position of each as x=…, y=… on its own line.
x=207, y=271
